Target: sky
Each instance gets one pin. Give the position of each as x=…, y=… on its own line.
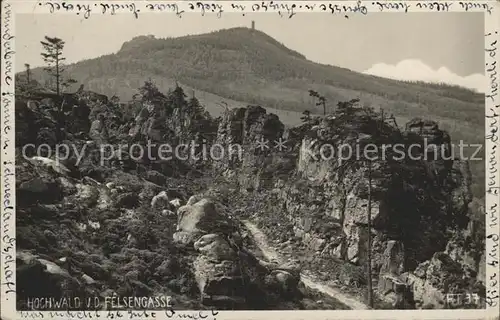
x=431, y=47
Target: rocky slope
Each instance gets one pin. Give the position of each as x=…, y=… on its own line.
x=138, y=225
x=129, y=226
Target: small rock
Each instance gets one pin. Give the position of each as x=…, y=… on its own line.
x=54, y=268
x=185, y=238
x=67, y=187
x=127, y=200
x=87, y=279
x=94, y=225
x=167, y=213
x=160, y=201
x=108, y=293
x=156, y=177
x=54, y=164
x=176, y=203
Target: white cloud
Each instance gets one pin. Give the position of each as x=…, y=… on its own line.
x=416, y=70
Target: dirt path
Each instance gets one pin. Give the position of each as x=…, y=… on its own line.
x=271, y=254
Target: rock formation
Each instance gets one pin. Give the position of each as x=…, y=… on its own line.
x=240, y=129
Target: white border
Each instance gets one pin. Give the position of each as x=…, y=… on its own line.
x=491, y=9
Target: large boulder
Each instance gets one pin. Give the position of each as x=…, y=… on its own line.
x=220, y=283
x=395, y=291
x=215, y=247
x=36, y=181
x=283, y=279
x=199, y=219
x=52, y=280
x=217, y=271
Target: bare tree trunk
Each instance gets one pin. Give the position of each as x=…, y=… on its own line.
x=28, y=75
x=60, y=121
x=57, y=73
x=369, y=240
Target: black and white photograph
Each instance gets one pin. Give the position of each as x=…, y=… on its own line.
x=248, y=160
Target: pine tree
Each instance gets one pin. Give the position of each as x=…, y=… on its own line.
x=53, y=57
x=369, y=240
x=178, y=101
x=195, y=109
x=178, y=97
x=306, y=116
x=150, y=92
x=24, y=83
x=28, y=74
x=321, y=100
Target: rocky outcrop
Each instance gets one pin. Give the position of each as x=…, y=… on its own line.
x=433, y=280
x=326, y=204
x=392, y=287
x=458, y=270
x=150, y=123
x=241, y=130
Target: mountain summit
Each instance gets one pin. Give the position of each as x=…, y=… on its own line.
x=230, y=39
